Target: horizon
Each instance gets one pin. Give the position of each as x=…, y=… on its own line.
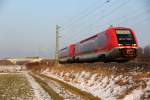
x=28, y=27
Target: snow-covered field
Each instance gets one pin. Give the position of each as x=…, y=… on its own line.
x=20, y=86
x=129, y=86
x=10, y=68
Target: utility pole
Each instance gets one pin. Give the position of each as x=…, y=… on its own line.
x=57, y=45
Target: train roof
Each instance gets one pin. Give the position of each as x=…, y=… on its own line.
x=63, y=48
x=94, y=36
x=119, y=28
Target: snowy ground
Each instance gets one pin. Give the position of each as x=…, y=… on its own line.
x=16, y=84
x=130, y=86
x=66, y=94
x=10, y=68
x=108, y=83
x=40, y=94
x=19, y=84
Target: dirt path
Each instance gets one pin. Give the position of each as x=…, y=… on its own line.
x=18, y=84
x=63, y=90
x=39, y=92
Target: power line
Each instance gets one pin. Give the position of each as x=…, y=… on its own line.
x=136, y=16
x=96, y=9
x=122, y=17
x=141, y=21
x=110, y=12
x=126, y=20
x=103, y=11
x=87, y=18
x=83, y=11
x=87, y=13
x=113, y=10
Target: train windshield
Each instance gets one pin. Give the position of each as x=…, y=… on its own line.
x=125, y=37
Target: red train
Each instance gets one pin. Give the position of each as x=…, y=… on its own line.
x=114, y=44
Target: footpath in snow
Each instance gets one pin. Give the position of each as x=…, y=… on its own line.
x=40, y=93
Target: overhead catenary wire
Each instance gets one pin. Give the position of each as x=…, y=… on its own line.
x=107, y=14
x=110, y=22
x=146, y=19
x=85, y=14
x=80, y=13
x=93, y=12
x=110, y=12
x=127, y=19
x=121, y=18
x=87, y=18
x=135, y=16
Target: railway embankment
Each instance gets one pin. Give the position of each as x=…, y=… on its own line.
x=108, y=81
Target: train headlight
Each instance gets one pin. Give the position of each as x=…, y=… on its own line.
x=134, y=44
x=120, y=44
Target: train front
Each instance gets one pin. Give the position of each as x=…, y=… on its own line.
x=125, y=44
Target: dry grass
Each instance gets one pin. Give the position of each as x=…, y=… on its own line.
x=39, y=66
x=99, y=67
x=139, y=82
x=15, y=87
x=139, y=71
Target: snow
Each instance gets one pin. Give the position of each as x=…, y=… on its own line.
x=10, y=68
x=40, y=94
x=148, y=85
x=112, y=87
x=135, y=95
x=66, y=94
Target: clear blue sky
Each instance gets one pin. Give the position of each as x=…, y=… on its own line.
x=27, y=27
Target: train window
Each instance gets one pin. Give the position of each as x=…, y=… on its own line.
x=102, y=40
x=125, y=37
x=64, y=53
x=88, y=46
